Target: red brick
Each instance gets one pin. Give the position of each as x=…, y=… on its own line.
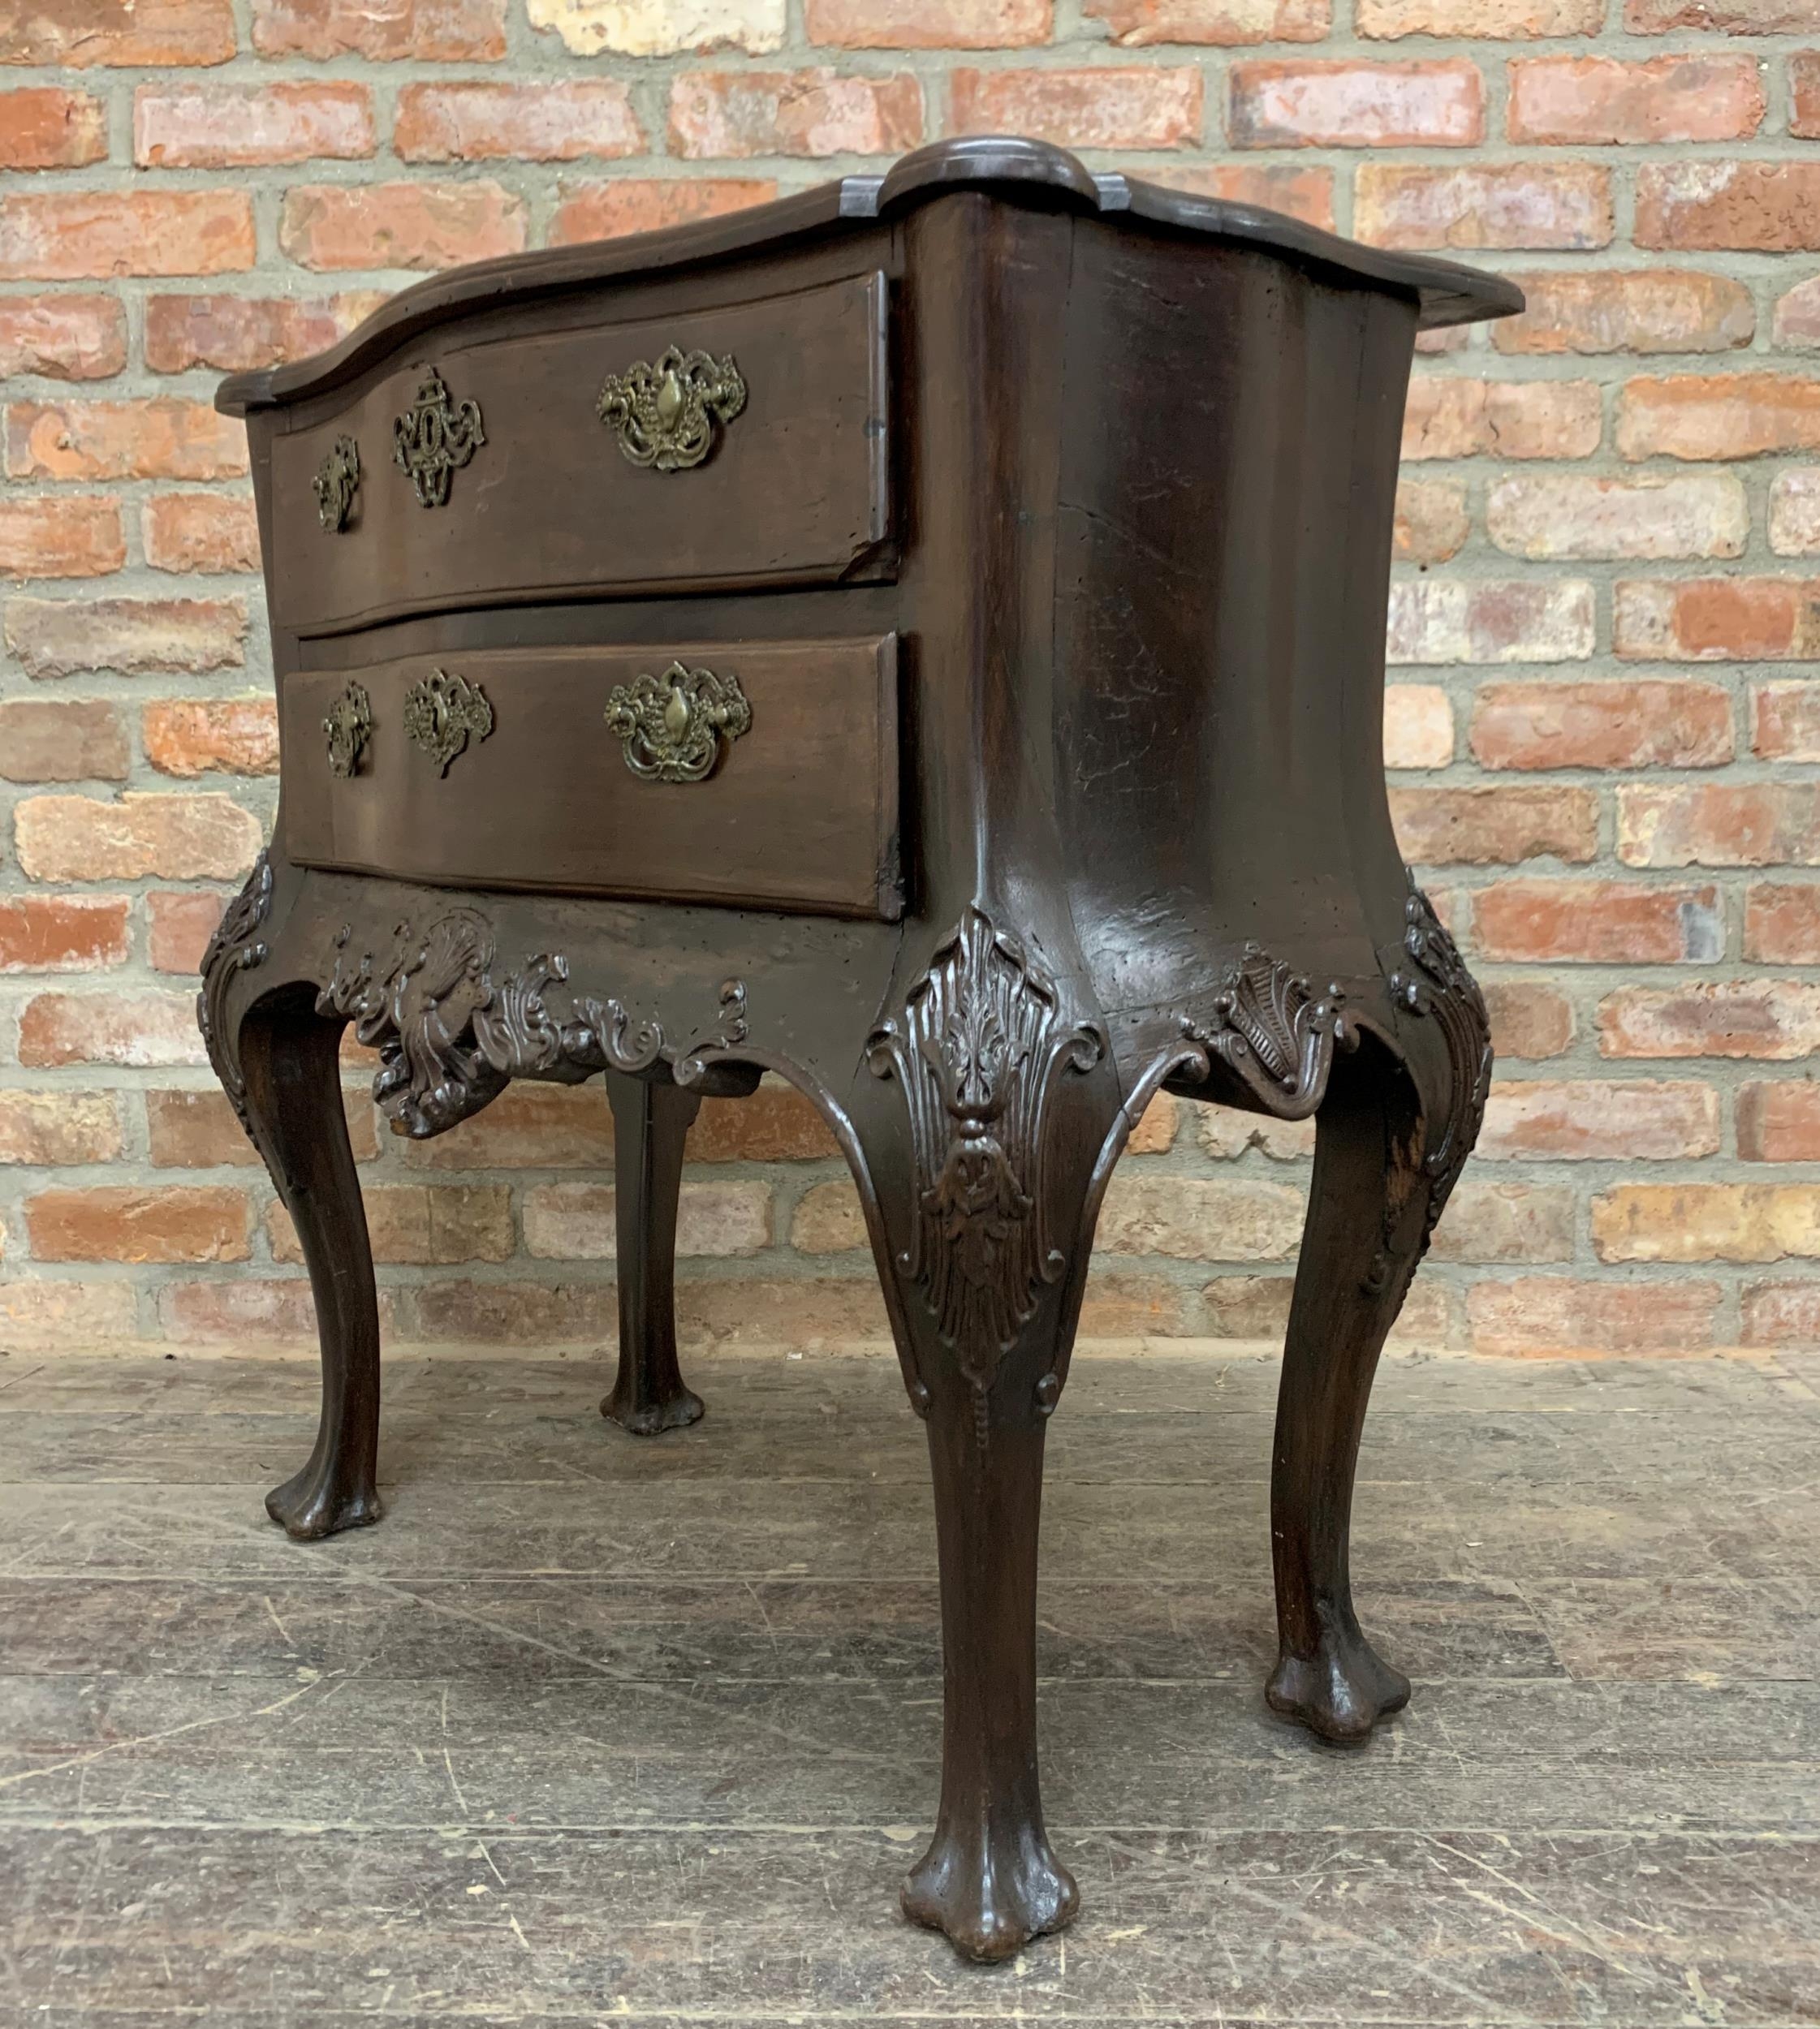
x=163, y=438
x=1598, y=1120
x=63, y=637
x=1576, y=514
x=61, y=740
x=46, y=537
x=1493, y=827
x=190, y=838
x=1785, y=722
x=1418, y=725
x=1775, y=1019
x=1432, y=523
x=56, y=1130
x=220, y=126
x=1598, y=923
x=576, y=1221
x=1602, y=725
x=1779, y=1122
x=1349, y=104
x=232, y=334
x=198, y=1131
x=1706, y=1222
x=333, y=225
x=1491, y=204
x=1781, y=1313
x=1716, y=619
x=1767, y=207
x=1603, y=310
x=1794, y=512
x=70, y=235
x=930, y=24
x=1564, y=1314
x=1307, y=194
x=63, y=337
x=1450, y=416
x=42, y=127
x=1107, y=106
x=813, y=113
x=59, y=1315
x=80, y=33
x=1782, y=922
x=432, y=31
x=777, y=1124
x=1804, y=91
x=1449, y=620
x=123, y=1222
x=133, y=1029
x=1721, y=416
x=62, y=933
x=1492, y=20
x=1732, y=17
x=207, y=532
x=182, y=921
x=1592, y=102
x=1529, y=1020
x=528, y=1128
x=424, y=1226
x=545, y=122
x=542, y=1313
x=1796, y=324
x=649, y=203
x=1487, y=1221
x=1720, y=824
x=195, y=735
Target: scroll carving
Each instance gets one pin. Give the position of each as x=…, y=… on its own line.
x=1269, y=1026
x=983, y=1041
x=450, y=1038
x=433, y=438
x=236, y=947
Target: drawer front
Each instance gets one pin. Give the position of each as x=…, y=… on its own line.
x=774, y=471
x=764, y=775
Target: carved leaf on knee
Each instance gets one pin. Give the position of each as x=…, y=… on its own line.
x=983, y=1040
x=236, y=947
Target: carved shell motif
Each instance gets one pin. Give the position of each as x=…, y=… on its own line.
x=1267, y=1024
x=982, y=1041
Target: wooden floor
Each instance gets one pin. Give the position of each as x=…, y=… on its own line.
x=591, y=1729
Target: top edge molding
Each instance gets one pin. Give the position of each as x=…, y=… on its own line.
x=1020, y=171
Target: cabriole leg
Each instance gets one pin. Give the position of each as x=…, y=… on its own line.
x=651, y=1124
x=1384, y=1161
x=290, y=1057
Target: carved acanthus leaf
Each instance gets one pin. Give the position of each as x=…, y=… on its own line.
x=982, y=1041
x=236, y=947
x=1268, y=1025
x=450, y=1037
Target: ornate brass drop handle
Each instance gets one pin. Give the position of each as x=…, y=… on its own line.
x=664, y=414
x=674, y=724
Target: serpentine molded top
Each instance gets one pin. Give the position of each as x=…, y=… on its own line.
x=1017, y=170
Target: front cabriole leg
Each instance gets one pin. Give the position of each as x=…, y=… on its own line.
x=982, y=1140
x=1398, y=1119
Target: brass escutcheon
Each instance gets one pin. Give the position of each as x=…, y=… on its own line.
x=665, y=415
x=349, y=721
x=434, y=438
x=441, y=712
x=673, y=725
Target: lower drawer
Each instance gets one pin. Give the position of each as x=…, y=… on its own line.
x=764, y=775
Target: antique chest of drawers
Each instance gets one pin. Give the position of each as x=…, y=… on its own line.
x=923, y=639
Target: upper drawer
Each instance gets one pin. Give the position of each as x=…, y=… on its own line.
x=780, y=477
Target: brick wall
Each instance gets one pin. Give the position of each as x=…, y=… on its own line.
x=1603, y=718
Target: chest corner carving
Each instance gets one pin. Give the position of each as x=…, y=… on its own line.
x=983, y=1041
x=236, y=947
